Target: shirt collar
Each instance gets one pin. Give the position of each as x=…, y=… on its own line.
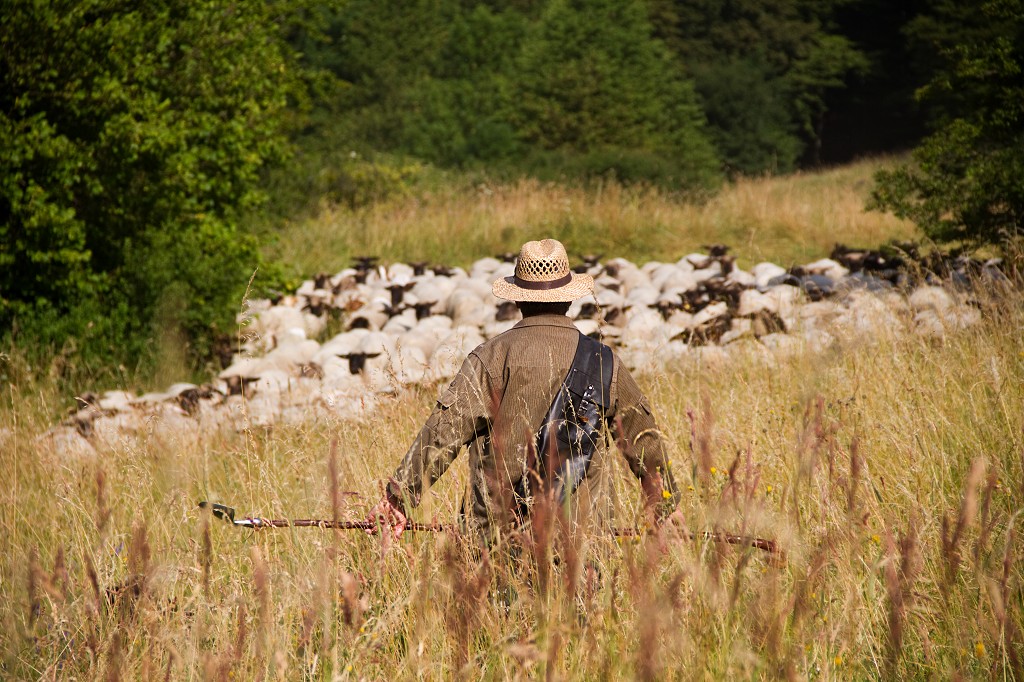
x=545, y=321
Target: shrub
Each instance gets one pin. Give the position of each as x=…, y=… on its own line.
x=132, y=137
x=967, y=180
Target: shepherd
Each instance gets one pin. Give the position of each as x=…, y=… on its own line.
x=538, y=408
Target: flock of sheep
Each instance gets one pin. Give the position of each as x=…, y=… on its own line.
x=402, y=324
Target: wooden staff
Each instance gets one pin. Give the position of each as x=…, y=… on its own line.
x=227, y=513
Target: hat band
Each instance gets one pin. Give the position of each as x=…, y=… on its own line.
x=539, y=286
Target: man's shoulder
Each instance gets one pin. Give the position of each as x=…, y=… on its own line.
x=533, y=332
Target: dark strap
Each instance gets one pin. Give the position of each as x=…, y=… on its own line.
x=571, y=431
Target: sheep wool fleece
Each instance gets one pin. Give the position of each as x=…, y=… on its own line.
x=494, y=405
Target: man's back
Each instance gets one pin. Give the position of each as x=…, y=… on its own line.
x=500, y=398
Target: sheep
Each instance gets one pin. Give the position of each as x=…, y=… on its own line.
x=427, y=335
x=67, y=443
x=372, y=316
x=827, y=267
x=742, y=278
x=409, y=365
x=753, y=301
x=641, y=297
x=435, y=289
x=931, y=298
x=407, y=324
x=466, y=309
x=451, y=352
x=370, y=347
x=627, y=273
x=238, y=378
x=577, y=307
x=484, y=268
x=401, y=323
x=400, y=273
x=397, y=290
x=643, y=328
x=764, y=273
x=373, y=361
x=274, y=323
x=119, y=401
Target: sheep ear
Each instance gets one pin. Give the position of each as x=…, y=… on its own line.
x=371, y=355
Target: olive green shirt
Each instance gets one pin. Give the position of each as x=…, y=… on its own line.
x=496, y=403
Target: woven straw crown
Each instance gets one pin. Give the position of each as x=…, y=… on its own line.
x=543, y=275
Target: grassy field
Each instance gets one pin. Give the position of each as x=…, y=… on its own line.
x=787, y=220
x=889, y=471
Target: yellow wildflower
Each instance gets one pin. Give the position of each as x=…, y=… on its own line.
x=979, y=649
x=768, y=489
x=666, y=494
x=838, y=660
x=875, y=539
x=714, y=470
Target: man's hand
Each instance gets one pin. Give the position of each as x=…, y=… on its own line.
x=658, y=500
x=389, y=514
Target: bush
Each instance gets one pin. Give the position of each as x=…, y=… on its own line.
x=967, y=182
x=132, y=138
x=593, y=77
x=608, y=163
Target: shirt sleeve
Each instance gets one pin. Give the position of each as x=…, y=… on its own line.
x=640, y=440
x=460, y=415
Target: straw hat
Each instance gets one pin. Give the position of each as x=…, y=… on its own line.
x=542, y=275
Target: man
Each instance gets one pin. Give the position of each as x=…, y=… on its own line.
x=500, y=398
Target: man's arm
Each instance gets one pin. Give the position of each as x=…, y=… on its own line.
x=643, y=446
x=460, y=414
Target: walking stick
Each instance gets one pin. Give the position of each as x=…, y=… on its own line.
x=227, y=513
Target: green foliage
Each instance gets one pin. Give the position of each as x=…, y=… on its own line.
x=968, y=180
x=429, y=79
x=748, y=118
x=592, y=77
x=763, y=69
x=131, y=137
x=463, y=84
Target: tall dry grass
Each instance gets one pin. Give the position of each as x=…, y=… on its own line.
x=786, y=220
x=889, y=471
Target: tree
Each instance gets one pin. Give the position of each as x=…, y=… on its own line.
x=967, y=182
x=131, y=138
x=594, y=80
x=763, y=69
x=429, y=78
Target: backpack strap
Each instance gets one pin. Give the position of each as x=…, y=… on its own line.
x=571, y=432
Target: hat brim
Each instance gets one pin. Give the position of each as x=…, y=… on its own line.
x=579, y=286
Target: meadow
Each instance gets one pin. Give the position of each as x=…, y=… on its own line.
x=453, y=221
x=888, y=470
